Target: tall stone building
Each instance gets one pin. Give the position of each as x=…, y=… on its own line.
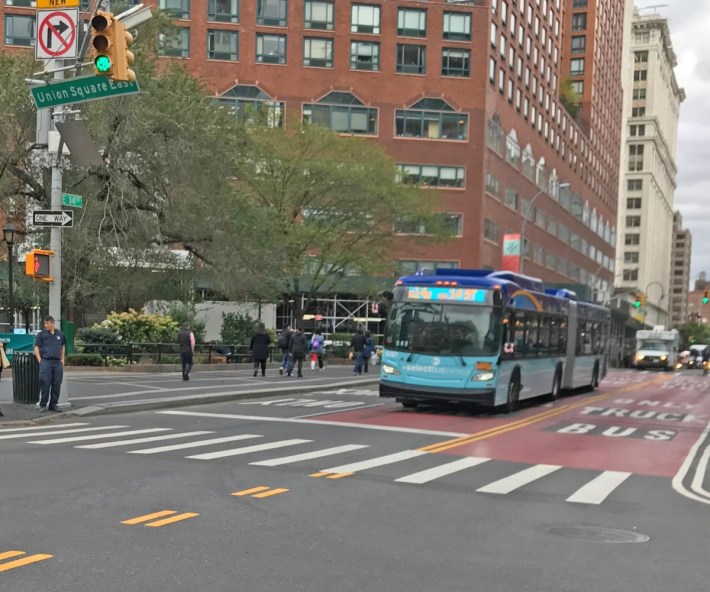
x=680, y=272
x=648, y=166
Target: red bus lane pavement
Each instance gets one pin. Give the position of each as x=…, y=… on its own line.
x=652, y=424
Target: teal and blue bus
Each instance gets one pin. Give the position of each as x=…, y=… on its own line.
x=489, y=337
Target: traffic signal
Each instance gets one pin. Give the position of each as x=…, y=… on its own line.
x=642, y=298
x=705, y=296
x=37, y=264
x=102, y=42
x=637, y=302
x=110, y=42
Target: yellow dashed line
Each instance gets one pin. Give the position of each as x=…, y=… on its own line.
x=340, y=475
x=250, y=491
x=270, y=493
x=8, y=554
x=172, y=519
x=20, y=562
x=149, y=517
x=321, y=474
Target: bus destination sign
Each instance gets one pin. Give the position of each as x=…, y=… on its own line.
x=446, y=294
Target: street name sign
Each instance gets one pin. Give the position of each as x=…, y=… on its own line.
x=62, y=218
x=73, y=201
x=57, y=3
x=79, y=90
x=56, y=33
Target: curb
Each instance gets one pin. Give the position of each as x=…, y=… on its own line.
x=206, y=399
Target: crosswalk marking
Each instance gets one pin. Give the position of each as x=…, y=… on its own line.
x=142, y=440
x=516, y=480
x=55, y=433
x=99, y=436
x=284, y=460
x=42, y=427
x=376, y=462
x=248, y=449
x=599, y=488
x=443, y=470
x=193, y=444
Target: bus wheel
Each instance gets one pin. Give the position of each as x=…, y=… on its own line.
x=409, y=404
x=556, y=385
x=513, y=395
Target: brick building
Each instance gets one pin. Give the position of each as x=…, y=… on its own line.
x=464, y=95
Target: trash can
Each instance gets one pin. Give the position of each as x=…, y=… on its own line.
x=25, y=378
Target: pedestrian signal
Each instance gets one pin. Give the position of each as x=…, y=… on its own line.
x=37, y=264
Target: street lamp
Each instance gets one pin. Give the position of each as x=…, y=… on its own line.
x=525, y=221
x=9, y=236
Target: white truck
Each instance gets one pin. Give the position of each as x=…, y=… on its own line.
x=657, y=348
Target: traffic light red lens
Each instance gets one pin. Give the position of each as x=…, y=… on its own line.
x=99, y=22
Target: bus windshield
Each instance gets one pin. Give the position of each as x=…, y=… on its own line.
x=443, y=329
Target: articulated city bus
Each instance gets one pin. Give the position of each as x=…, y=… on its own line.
x=489, y=337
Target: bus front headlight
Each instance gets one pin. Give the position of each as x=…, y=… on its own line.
x=664, y=358
x=387, y=369
x=639, y=357
x=484, y=377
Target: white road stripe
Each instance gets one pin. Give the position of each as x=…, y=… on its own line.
x=43, y=427
x=248, y=449
x=99, y=436
x=599, y=488
x=376, y=462
x=142, y=440
x=516, y=480
x=192, y=444
x=443, y=470
x=284, y=460
x=343, y=424
x=700, y=474
x=57, y=433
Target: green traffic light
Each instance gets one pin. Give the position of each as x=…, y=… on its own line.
x=103, y=63
x=637, y=304
x=705, y=300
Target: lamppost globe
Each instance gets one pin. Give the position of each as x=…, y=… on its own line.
x=8, y=234
x=564, y=185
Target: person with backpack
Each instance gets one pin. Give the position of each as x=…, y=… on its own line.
x=297, y=347
x=367, y=351
x=283, y=343
x=317, y=350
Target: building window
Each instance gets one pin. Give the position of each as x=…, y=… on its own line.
x=576, y=66
x=577, y=86
x=433, y=119
x=631, y=275
x=342, y=112
x=223, y=45
x=579, y=3
x=223, y=11
x=491, y=231
x=179, y=9
x=451, y=222
x=638, y=130
x=251, y=102
x=636, y=157
x=21, y=3
x=364, y=55
x=579, y=21
x=579, y=43
x=407, y=266
x=272, y=13
x=640, y=75
x=432, y=175
x=19, y=30
x=175, y=43
x=633, y=203
x=643, y=37
x=638, y=112
x=457, y=26
x=492, y=184
x=510, y=198
x=365, y=19
x=455, y=62
x=318, y=53
x=634, y=184
x=632, y=239
x=411, y=59
x=639, y=94
x=270, y=49
x=631, y=257
x=641, y=57
x=411, y=22
x=319, y=15
x=633, y=221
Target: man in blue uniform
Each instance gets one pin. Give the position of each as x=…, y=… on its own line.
x=49, y=351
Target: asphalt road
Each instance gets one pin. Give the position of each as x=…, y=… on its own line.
x=342, y=491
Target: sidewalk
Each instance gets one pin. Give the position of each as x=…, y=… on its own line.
x=103, y=392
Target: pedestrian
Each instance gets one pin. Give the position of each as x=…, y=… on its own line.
x=259, y=347
x=297, y=347
x=358, y=344
x=186, y=341
x=283, y=343
x=50, y=345
x=317, y=350
x=367, y=351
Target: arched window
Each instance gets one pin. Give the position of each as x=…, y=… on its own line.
x=247, y=100
x=342, y=112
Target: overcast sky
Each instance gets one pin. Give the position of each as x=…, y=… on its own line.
x=689, y=23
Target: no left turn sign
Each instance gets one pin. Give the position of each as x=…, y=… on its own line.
x=56, y=34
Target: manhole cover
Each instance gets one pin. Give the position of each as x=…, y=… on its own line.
x=598, y=534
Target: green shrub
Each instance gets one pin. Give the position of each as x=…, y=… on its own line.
x=84, y=360
x=170, y=360
x=340, y=345
x=184, y=312
x=237, y=328
x=138, y=327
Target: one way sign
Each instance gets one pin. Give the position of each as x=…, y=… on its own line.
x=62, y=218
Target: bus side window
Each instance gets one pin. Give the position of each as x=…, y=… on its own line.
x=543, y=339
x=563, y=338
x=555, y=337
